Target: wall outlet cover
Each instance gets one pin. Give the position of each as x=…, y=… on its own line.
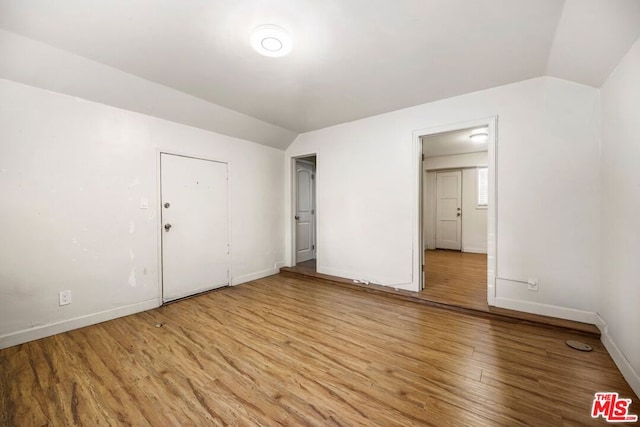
x=64, y=297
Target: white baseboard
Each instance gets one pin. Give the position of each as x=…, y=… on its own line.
x=616, y=354
x=475, y=250
x=389, y=282
x=547, y=310
x=259, y=275
x=629, y=374
x=31, y=334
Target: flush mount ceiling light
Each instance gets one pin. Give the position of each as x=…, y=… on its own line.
x=271, y=40
x=479, y=135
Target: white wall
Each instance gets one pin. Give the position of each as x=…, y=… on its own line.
x=429, y=209
x=474, y=218
x=620, y=293
x=72, y=173
x=474, y=221
x=547, y=179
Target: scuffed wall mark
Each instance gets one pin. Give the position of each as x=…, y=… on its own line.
x=134, y=183
x=144, y=271
x=132, y=255
x=132, y=278
x=132, y=227
x=74, y=240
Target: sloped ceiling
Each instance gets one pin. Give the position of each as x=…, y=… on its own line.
x=591, y=39
x=351, y=58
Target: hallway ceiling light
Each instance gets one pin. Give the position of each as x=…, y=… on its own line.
x=479, y=135
x=271, y=40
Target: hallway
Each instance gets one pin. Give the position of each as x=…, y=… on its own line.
x=456, y=278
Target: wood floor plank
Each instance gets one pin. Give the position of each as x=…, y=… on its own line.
x=455, y=280
x=295, y=351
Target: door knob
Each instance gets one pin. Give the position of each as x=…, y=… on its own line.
x=166, y=205
x=167, y=226
x=297, y=217
x=459, y=214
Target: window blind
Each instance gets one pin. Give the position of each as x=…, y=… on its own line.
x=483, y=187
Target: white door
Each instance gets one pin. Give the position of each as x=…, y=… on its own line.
x=305, y=213
x=195, y=225
x=449, y=210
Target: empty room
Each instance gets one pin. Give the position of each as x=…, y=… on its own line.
x=339, y=212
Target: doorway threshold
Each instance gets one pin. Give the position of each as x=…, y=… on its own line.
x=418, y=297
x=308, y=267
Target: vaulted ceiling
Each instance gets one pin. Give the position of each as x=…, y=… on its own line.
x=351, y=58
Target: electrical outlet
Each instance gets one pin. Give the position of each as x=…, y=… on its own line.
x=65, y=297
x=532, y=285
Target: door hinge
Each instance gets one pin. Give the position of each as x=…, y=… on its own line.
x=422, y=267
x=313, y=247
x=228, y=251
x=423, y=157
x=313, y=211
x=313, y=176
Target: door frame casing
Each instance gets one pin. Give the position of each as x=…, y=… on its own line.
x=197, y=156
x=294, y=197
x=492, y=210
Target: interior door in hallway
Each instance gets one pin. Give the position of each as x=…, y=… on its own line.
x=305, y=211
x=195, y=225
x=449, y=210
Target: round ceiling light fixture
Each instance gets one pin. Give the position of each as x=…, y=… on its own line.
x=271, y=40
x=479, y=135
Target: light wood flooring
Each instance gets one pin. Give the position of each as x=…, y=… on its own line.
x=452, y=277
x=294, y=351
x=456, y=278
x=456, y=281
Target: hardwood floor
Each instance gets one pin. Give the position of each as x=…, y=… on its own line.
x=456, y=278
x=307, y=267
x=294, y=351
x=468, y=297
x=452, y=277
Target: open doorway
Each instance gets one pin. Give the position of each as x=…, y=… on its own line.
x=456, y=206
x=304, y=218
